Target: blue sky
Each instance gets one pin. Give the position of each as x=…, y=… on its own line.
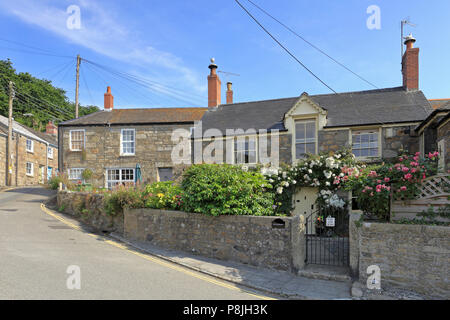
x=171, y=42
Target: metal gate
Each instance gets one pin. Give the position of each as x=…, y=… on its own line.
x=327, y=242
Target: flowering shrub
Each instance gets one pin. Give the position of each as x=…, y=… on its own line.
x=162, y=195
x=374, y=185
x=122, y=197
x=324, y=171
x=225, y=189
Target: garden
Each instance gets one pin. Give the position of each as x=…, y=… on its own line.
x=214, y=189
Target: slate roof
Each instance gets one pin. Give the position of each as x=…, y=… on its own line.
x=437, y=103
x=443, y=111
x=391, y=105
x=21, y=129
x=45, y=136
x=138, y=116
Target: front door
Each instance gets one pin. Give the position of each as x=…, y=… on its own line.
x=41, y=174
x=305, y=201
x=49, y=173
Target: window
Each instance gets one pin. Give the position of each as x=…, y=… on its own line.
x=50, y=152
x=76, y=174
x=115, y=177
x=77, y=140
x=245, y=150
x=128, y=142
x=30, y=169
x=365, y=143
x=305, y=138
x=165, y=174
x=30, y=145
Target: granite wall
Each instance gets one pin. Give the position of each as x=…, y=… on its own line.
x=268, y=242
x=411, y=257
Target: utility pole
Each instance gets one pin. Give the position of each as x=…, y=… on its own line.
x=10, y=133
x=77, y=85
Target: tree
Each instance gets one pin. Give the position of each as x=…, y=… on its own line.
x=36, y=97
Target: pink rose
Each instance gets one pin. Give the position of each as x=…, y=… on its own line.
x=403, y=188
x=387, y=179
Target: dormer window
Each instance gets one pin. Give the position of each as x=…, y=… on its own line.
x=305, y=138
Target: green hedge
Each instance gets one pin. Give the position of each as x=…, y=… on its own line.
x=225, y=190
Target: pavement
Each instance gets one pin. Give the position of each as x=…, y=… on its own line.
x=34, y=233
x=280, y=283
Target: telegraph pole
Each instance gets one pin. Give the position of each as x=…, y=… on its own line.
x=10, y=132
x=77, y=86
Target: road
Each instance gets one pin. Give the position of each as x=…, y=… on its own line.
x=36, y=250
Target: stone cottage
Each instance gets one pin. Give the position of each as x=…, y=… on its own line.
x=120, y=146
x=375, y=124
x=34, y=154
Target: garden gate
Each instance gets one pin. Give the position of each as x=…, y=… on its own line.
x=327, y=241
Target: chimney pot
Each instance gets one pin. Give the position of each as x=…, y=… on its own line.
x=229, y=93
x=109, y=100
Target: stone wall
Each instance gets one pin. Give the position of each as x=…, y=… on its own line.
x=153, y=150
x=401, y=138
x=88, y=208
x=411, y=257
x=258, y=241
x=333, y=140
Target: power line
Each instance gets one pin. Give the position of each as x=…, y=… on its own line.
x=45, y=102
x=311, y=44
x=151, y=84
x=41, y=109
x=142, y=83
x=284, y=48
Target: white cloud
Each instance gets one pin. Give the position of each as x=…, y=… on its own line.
x=102, y=31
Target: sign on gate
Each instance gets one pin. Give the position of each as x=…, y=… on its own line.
x=331, y=222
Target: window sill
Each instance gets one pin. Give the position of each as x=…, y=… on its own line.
x=30, y=151
x=29, y=175
x=127, y=154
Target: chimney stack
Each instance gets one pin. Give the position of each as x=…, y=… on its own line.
x=109, y=100
x=213, y=86
x=410, y=65
x=229, y=93
x=50, y=128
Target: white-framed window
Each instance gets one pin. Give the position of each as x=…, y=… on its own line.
x=127, y=142
x=77, y=140
x=365, y=143
x=30, y=168
x=116, y=177
x=30, y=145
x=245, y=151
x=50, y=152
x=76, y=174
x=305, y=138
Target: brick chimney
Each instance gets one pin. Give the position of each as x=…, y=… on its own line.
x=229, y=93
x=109, y=100
x=213, y=86
x=50, y=128
x=410, y=65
